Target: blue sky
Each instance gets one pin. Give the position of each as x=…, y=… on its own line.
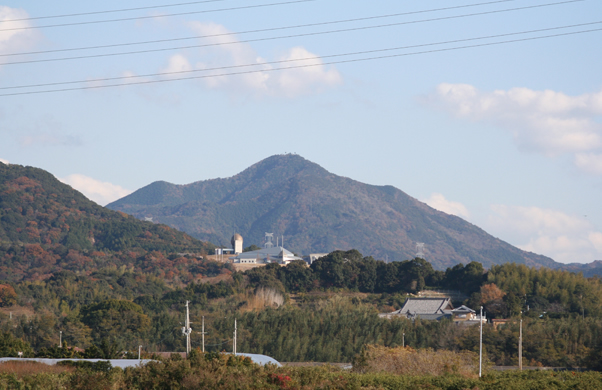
x=507, y=136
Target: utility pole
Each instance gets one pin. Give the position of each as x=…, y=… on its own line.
x=186, y=330
x=235, y=337
x=520, y=346
x=139, y=352
x=60, y=339
x=403, y=339
x=481, y=345
x=203, y=333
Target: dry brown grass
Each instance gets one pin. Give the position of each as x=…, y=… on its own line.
x=215, y=279
x=245, y=267
x=263, y=297
x=22, y=369
x=18, y=311
x=409, y=361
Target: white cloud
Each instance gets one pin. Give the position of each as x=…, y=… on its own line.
x=596, y=240
x=4, y=161
x=177, y=63
x=589, y=162
x=438, y=202
x=100, y=192
x=547, y=122
x=300, y=81
x=16, y=40
x=231, y=52
x=564, y=238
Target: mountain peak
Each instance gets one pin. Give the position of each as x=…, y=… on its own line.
x=317, y=211
x=283, y=166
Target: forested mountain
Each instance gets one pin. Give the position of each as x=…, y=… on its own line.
x=46, y=226
x=110, y=283
x=317, y=211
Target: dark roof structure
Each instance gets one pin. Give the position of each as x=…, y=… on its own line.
x=425, y=308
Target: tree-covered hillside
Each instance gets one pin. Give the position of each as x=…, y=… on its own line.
x=326, y=312
x=47, y=226
x=317, y=211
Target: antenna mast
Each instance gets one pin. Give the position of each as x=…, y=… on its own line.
x=420, y=250
x=268, y=240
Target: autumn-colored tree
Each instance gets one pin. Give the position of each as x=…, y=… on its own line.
x=491, y=292
x=8, y=296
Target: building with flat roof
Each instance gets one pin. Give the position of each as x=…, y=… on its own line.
x=275, y=254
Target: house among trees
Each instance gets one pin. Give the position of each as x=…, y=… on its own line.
x=434, y=309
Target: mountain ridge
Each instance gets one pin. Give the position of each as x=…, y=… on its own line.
x=47, y=226
x=317, y=211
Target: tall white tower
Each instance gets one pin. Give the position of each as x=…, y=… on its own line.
x=237, y=243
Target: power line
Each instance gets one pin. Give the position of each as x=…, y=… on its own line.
x=299, y=59
x=305, y=66
x=284, y=37
x=162, y=16
x=110, y=11
x=255, y=31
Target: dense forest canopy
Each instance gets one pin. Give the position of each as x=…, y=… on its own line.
x=47, y=226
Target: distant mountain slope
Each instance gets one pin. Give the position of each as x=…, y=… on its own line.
x=588, y=269
x=317, y=211
x=47, y=226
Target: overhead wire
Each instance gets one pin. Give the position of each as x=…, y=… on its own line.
x=298, y=59
x=286, y=36
x=111, y=11
x=155, y=16
x=257, y=30
x=306, y=65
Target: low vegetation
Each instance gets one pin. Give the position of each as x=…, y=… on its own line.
x=410, y=361
x=219, y=371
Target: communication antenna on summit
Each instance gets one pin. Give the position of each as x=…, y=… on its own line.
x=268, y=240
x=420, y=250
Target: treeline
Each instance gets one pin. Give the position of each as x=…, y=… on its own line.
x=351, y=271
x=504, y=290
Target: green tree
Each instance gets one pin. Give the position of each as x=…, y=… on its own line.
x=10, y=346
x=115, y=318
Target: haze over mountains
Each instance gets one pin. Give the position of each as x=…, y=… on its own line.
x=317, y=211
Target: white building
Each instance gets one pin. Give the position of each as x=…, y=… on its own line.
x=275, y=254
